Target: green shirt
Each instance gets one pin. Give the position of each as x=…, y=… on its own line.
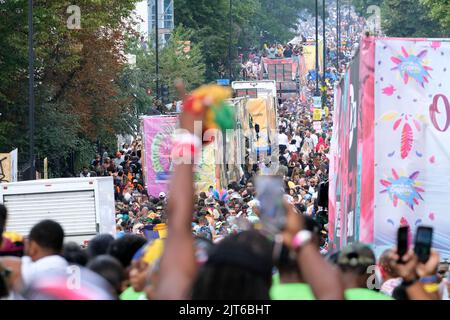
x=130, y=294
x=365, y=294
x=291, y=291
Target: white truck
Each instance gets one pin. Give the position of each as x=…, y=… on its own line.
x=262, y=106
x=255, y=89
x=83, y=206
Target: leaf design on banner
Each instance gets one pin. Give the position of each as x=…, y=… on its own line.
x=422, y=54
x=419, y=189
x=395, y=174
x=414, y=175
x=396, y=60
x=419, y=154
x=390, y=155
x=390, y=116
x=407, y=141
x=397, y=123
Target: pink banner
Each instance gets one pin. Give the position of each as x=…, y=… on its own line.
x=158, y=132
x=366, y=138
x=351, y=164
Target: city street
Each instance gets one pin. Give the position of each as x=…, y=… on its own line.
x=224, y=150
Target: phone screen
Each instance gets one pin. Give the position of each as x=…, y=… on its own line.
x=270, y=193
x=424, y=239
x=402, y=241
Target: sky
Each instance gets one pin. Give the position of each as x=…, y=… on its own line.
x=141, y=11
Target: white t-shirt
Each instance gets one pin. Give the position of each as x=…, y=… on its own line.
x=30, y=270
x=315, y=139
x=292, y=148
x=283, y=139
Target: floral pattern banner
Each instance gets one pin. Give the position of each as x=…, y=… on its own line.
x=158, y=135
x=412, y=139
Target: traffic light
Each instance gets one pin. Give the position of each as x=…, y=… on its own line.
x=165, y=94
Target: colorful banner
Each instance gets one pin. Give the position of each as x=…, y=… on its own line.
x=158, y=133
x=257, y=109
x=366, y=140
x=412, y=139
x=309, y=55
x=5, y=167
x=205, y=173
x=351, y=153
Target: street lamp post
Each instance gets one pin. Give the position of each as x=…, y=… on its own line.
x=317, y=49
x=349, y=18
x=338, y=31
x=157, y=48
x=229, y=42
x=31, y=106
x=324, y=43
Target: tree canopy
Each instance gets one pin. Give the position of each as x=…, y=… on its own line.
x=253, y=22
x=76, y=92
x=439, y=11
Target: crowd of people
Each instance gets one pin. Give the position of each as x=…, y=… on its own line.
x=338, y=55
x=212, y=245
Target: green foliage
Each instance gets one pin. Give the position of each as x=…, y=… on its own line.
x=78, y=100
x=439, y=11
x=173, y=63
x=253, y=22
x=407, y=18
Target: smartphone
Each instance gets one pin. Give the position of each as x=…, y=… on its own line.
x=402, y=242
x=270, y=194
x=423, y=242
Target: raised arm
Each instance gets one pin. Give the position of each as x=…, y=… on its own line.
x=178, y=267
x=316, y=271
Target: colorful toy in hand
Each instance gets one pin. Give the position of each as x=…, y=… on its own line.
x=221, y=195
x=219, y=113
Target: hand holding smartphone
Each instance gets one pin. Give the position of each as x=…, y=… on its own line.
x=270, y=193
x=423, y=243
x=402, y=242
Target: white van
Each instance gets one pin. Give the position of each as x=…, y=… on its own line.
x=83, y=206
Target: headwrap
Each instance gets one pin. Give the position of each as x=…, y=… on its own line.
x=12, y=244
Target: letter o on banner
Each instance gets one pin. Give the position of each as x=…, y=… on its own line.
x=434, y=110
